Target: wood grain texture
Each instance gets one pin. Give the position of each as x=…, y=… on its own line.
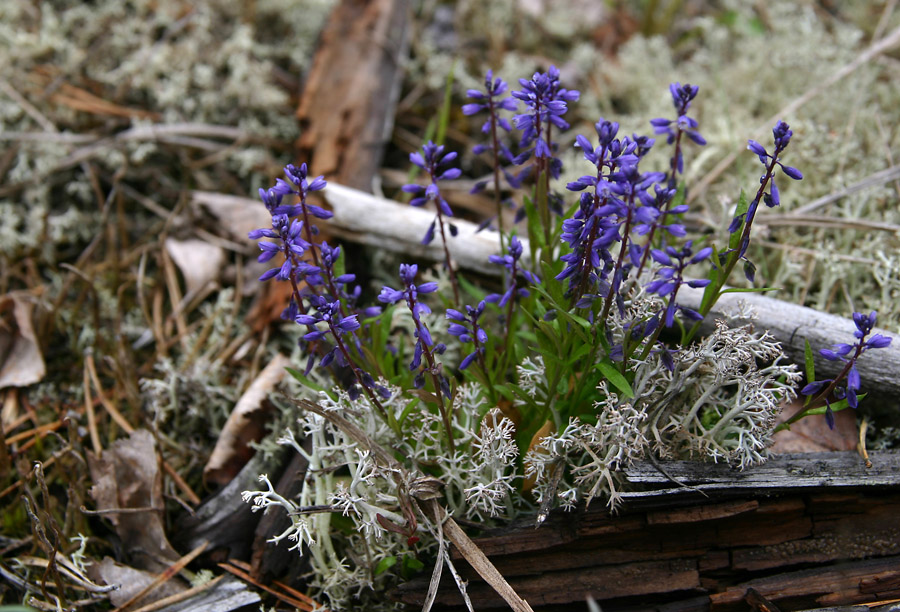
x=804, y=532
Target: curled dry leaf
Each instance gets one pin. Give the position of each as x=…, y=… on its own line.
x=21, y=363
x=199, y=262
x=244, y=425
x=128, y=490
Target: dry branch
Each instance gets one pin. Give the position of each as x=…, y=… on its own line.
x=387, y=224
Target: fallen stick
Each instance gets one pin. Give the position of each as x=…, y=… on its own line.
x=367, y=219
x=387, y=224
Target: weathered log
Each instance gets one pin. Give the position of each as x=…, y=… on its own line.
x=803, y=531
x=376, y=221
x=367, y=219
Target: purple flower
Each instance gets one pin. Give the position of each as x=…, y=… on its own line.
x=489, y=100
x=511, y=261
x=846, y=385
x=466, y=328
x=782, y=135
x=410, y=293
x=300, y=186
x=546, y=102
x=671, y=277
x=682, y=124
x=433, y=160
x=616, y=200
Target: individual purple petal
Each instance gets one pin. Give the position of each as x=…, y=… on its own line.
x=814, y=387
x=853, y=380
x=792, y=172
x=829, y=355
x=878, y=341
x=467, y=361
x=756, y=148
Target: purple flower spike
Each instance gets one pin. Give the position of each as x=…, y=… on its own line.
x=466, y=328
x=847, y=384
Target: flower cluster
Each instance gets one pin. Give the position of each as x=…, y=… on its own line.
x=571, y=390
x=772, y=198
x=674, y=129
x=433, y=160
x=846, y=385
x=671, y=277
x=547, y=102
x=510, y=261
x=466, y=328
x=490, y=101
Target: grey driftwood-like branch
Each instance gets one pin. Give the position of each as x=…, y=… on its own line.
x=391, y=225
x=386, y=224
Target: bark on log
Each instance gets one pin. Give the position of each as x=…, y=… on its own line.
x=347, y=110
x=803, y=531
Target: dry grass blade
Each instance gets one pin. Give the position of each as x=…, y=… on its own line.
x=179, y=597
x=828, y=222
x=878, y=178
x=480, y=563
x=291, y=591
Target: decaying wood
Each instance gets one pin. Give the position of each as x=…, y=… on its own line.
x=225, y=520
x=347, y=108
x=834, y=539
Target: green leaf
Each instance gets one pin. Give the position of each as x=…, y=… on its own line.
x=304, y=380
x=810, y=364
x=835, y=406
x=444, y=116
x=535, y=233
x=411, y=563
x=385, y=564
x=505, y=392
x=340, y=266
x=734, y=241
x=612, y=374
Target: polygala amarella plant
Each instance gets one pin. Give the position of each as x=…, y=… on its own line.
x=541, y=394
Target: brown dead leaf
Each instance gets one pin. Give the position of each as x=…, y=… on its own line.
x=245, y=424
x=545, y=430
x=132, y=581
x=127, y=479
x=199, y=262
x=812, y=435
x=21, y=363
